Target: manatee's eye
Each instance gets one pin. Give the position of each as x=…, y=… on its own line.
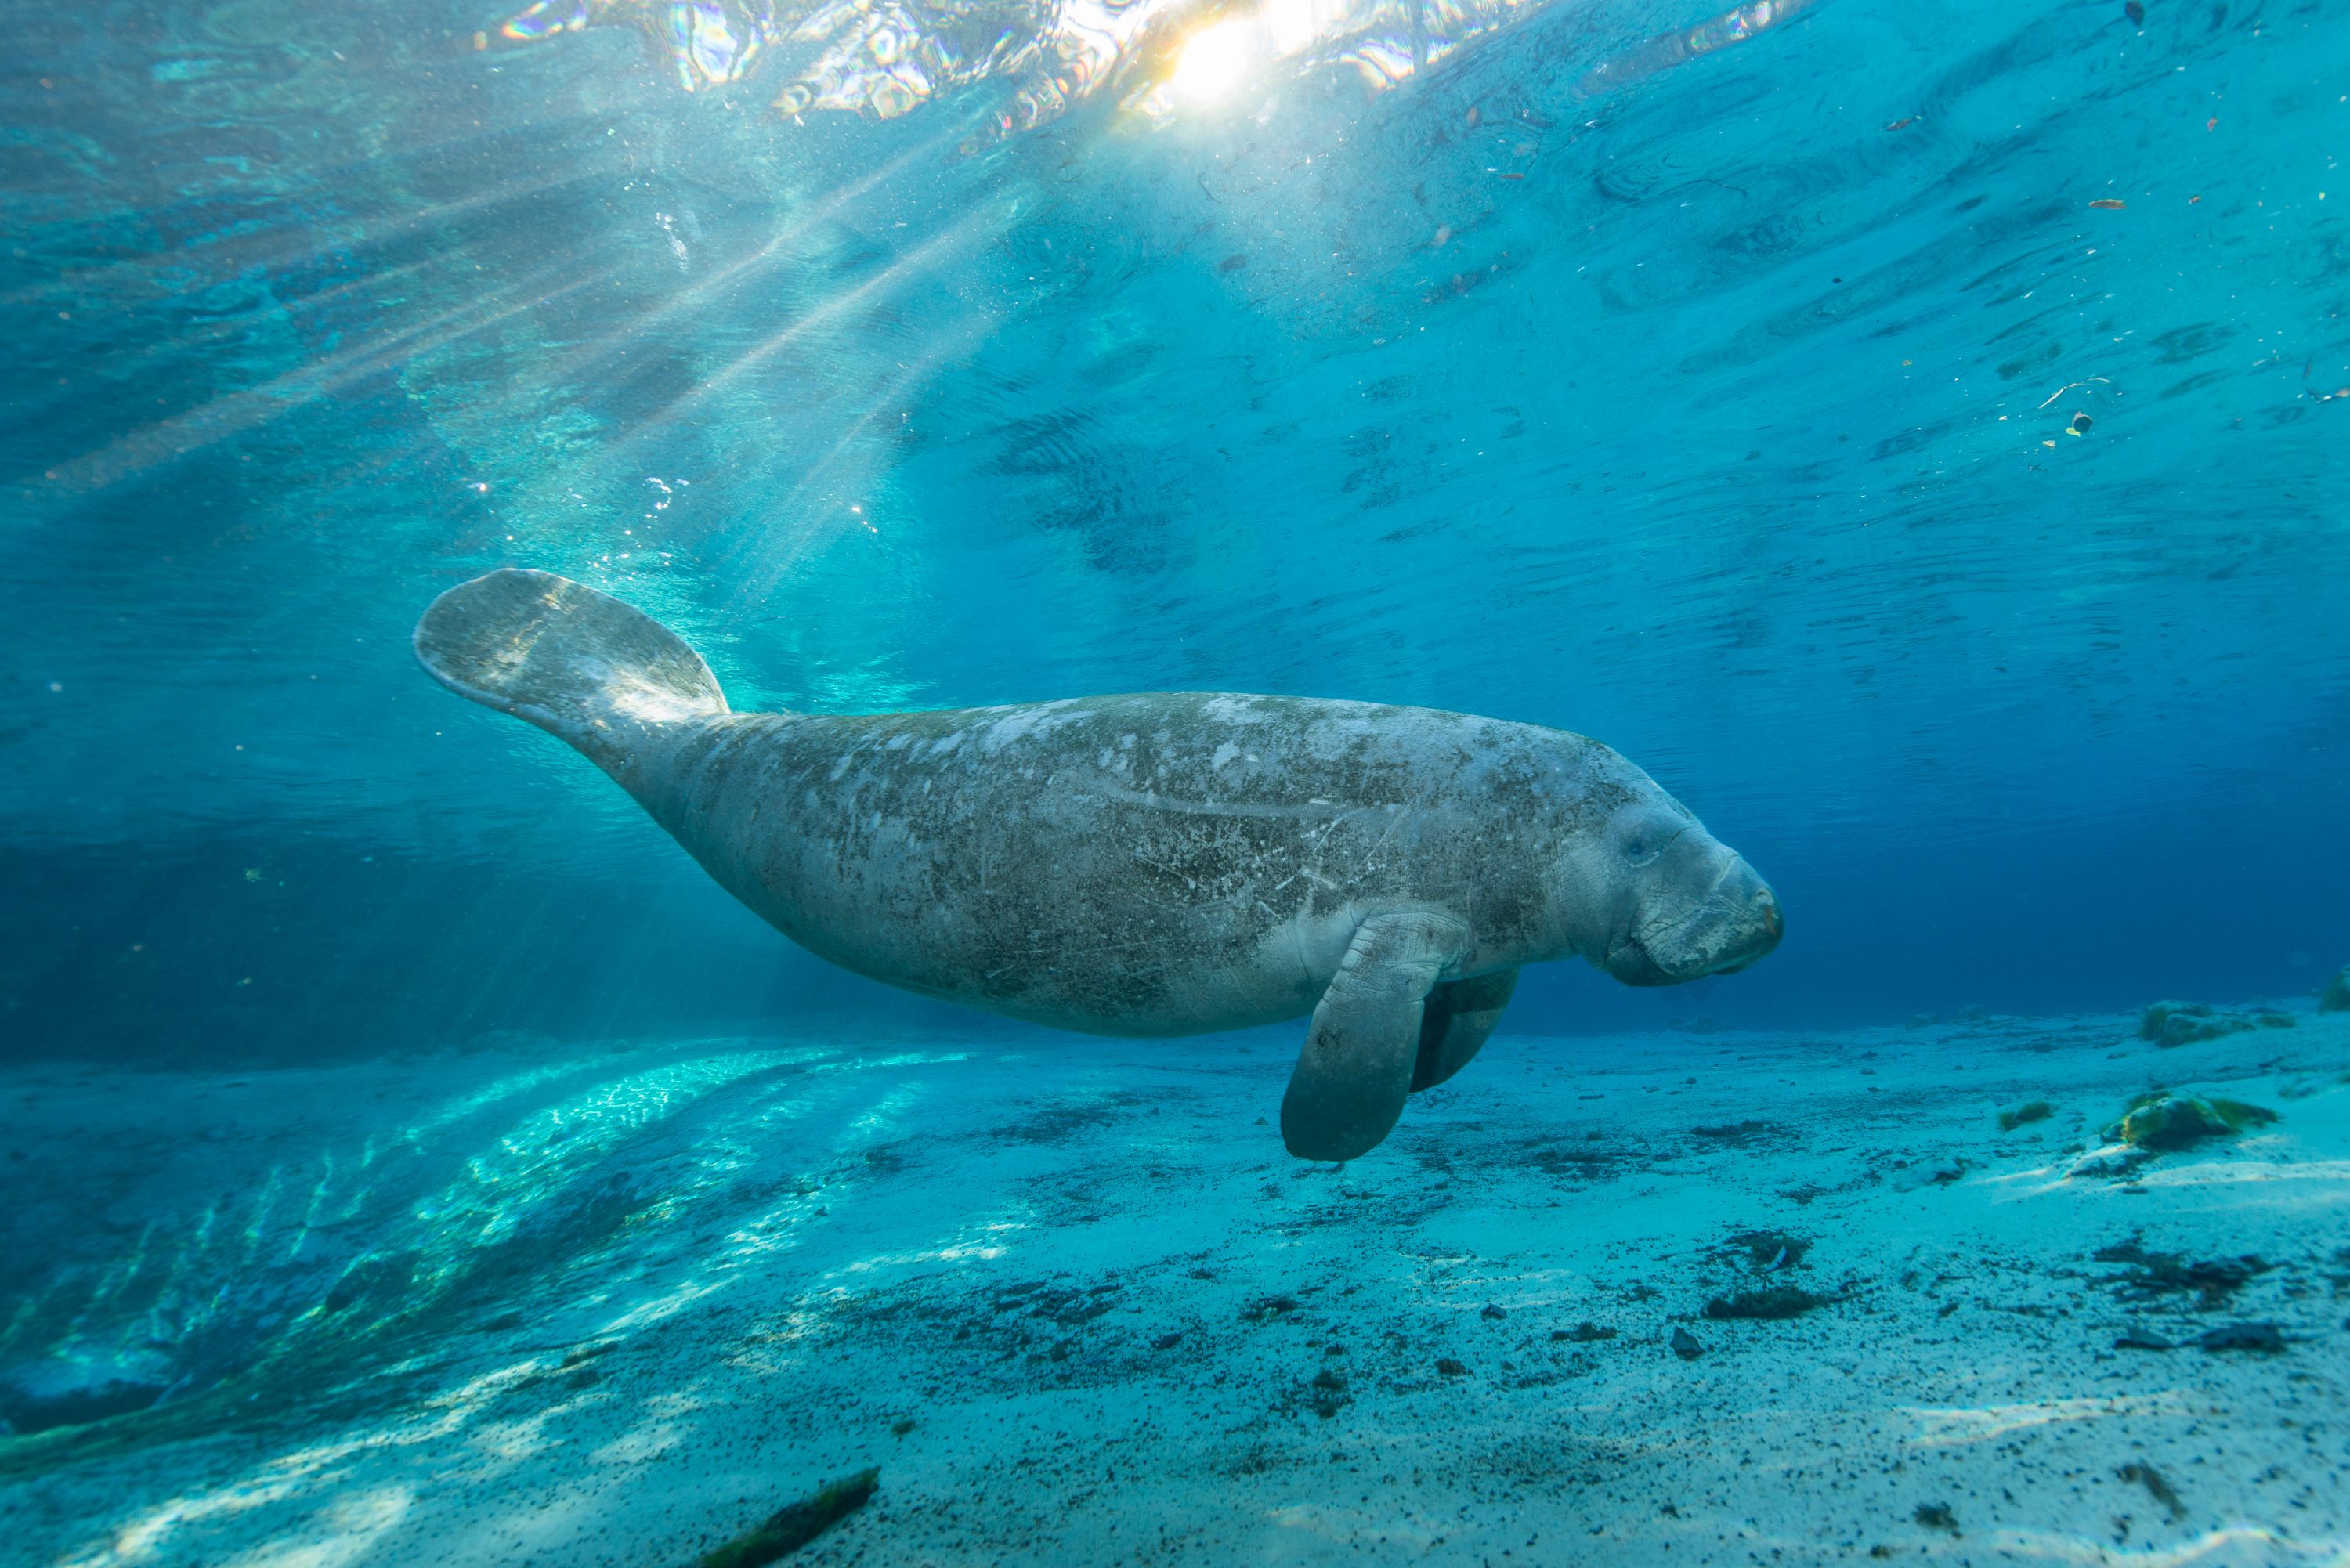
x=1648, y=836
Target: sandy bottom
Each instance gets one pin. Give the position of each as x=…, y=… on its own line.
x=543, y=1303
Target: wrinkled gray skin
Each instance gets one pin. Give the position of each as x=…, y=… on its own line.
x=1164, y=863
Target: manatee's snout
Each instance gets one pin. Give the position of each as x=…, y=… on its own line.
x=1762, y=925
x=1736, y=921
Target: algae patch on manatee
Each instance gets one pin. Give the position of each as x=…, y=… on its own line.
x=794, y=1525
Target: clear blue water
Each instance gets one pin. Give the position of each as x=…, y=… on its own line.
x=1915, y=433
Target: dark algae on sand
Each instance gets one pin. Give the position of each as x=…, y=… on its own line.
x=794, y=1525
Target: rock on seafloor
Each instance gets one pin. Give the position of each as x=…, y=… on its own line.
x=2335, y=997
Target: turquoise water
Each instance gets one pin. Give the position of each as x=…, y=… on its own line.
x=1912, y=434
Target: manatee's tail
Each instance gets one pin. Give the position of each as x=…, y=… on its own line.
x=578, y=663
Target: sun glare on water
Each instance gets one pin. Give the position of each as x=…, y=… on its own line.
x=1216, y=60
x=1219, y=57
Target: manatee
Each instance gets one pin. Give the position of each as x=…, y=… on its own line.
x=1158, y=863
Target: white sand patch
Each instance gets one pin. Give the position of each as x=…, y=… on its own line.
x=600, y=1306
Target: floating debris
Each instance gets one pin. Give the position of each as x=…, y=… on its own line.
x=2109, y=203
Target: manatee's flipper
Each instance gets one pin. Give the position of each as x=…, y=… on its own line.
x=1349, y=1083
x=569, y=659
x=1455, y=1021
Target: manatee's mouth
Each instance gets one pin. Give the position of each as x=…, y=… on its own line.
x=1629, y=962
x=1736, y=923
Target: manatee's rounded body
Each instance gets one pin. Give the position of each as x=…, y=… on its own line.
x=1165, y=863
